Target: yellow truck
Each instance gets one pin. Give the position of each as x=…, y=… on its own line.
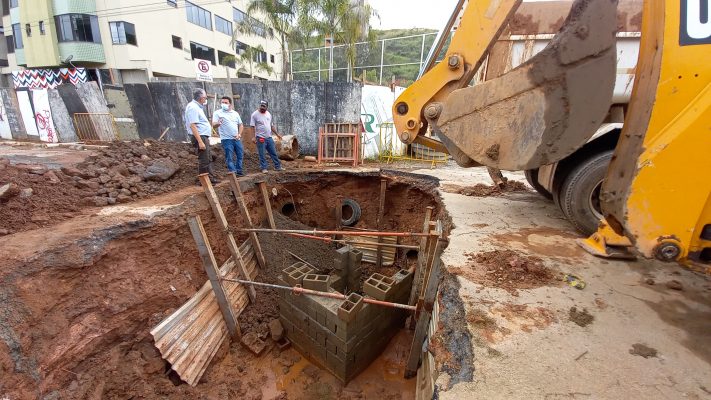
x=542, y=117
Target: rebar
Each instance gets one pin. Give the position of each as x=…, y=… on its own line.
x=338, y=296
x=315, y=232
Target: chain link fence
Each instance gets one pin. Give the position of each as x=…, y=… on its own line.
x=399, y=59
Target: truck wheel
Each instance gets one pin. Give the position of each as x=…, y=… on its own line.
x=580, y=193
x=532, y=178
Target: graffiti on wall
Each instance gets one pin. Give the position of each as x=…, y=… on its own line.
x=48, y=78
x=5, y=131
x=36, y=114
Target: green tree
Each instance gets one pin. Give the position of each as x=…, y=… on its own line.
x=282, y=16
x=343, y=21
x=249, y=61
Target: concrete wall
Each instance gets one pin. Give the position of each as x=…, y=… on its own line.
x=145, y=110
x=12, y=113
x=298, y=108
x=301, y=107
x=347, y=342
x=120, y=108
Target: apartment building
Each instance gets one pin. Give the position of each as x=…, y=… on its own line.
x=134, y=41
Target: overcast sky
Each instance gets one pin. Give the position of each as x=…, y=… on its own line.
x=404, y=14
x=412, y=13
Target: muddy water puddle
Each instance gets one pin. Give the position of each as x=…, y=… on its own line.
x=383, y=379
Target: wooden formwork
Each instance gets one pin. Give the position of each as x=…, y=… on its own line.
x=340, y=143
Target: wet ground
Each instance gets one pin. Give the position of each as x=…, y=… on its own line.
x=631, y=335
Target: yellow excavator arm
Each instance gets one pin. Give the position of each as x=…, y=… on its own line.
x=656, y=191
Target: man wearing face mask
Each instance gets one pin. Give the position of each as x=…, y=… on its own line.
x=263, y=128
x=229, y=126
x=197, y=123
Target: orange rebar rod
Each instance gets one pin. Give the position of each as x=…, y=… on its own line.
x=338, y=296
x=329, y=240
x=343, y=233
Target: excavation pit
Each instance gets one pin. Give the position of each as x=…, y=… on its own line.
x=78, y=307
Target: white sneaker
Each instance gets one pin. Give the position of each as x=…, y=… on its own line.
x=264, y=171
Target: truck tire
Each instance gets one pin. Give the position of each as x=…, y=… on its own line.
x=532, y=178
x=580, y=193
x=351, y=212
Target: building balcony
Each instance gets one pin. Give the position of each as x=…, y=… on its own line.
x=82, y=52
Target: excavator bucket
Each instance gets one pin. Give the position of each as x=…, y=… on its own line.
x=546, y=108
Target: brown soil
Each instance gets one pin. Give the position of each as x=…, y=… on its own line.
x=110, y=175
x=482, y=190
x=642, y=350
x=580, y=317
x=79, y=303
x=276, y=250
x=506, y=269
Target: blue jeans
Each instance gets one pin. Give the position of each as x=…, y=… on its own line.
x=233, y=154
x=271, y=149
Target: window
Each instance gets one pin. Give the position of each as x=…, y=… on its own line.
x=238, y=15
x=221, y=58
x=17, y=34
x=28, y=30
x=78, y=28
x=202, y=52
x=177, y=42
x=14, y=3
x=259, y=28
x=240, y=48
x=259, y=56
x=173, y=3
x=10, y=40
x=198, y=15
x=41, y=28
x=123, y=33
x=5, y=7
x=223, y=25
x=271, y=58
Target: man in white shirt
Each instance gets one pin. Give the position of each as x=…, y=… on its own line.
x=261, y=121
x=229, y=126
x=199, y=126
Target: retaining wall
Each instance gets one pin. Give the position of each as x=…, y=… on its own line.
x=145, y=110
x=343, y=337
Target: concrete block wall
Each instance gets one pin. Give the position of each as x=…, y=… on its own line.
x=345, y=342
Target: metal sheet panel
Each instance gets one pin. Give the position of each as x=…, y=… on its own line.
x=189, y=338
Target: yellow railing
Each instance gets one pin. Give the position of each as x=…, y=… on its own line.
x=392, y=149
x=95, y=127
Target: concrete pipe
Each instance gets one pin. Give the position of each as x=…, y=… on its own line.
x=288, y=148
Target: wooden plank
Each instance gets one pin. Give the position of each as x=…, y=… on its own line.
x=231, y=244
x=421, y=259
x=237, y=192
x=423, y=322
x=267, y=203
x=338, y=211
x=381, y=215
x=208, y=261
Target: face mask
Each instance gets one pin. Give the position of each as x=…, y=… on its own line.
x=262, y=110
x=204, y=102
x=225, y=107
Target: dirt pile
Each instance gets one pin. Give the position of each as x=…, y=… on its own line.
x=482, y=190
x=506, y=269
x=120, y=173
x=276, y=248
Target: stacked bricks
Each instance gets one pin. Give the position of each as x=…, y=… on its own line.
x=343, y=336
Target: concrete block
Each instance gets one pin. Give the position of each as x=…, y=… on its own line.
x=377, y=289
x=338, y=283
x=349, y=308
x=316, y=282
x=276, y=329
x=294, y=274
x=355, y=257
x=342, y=260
